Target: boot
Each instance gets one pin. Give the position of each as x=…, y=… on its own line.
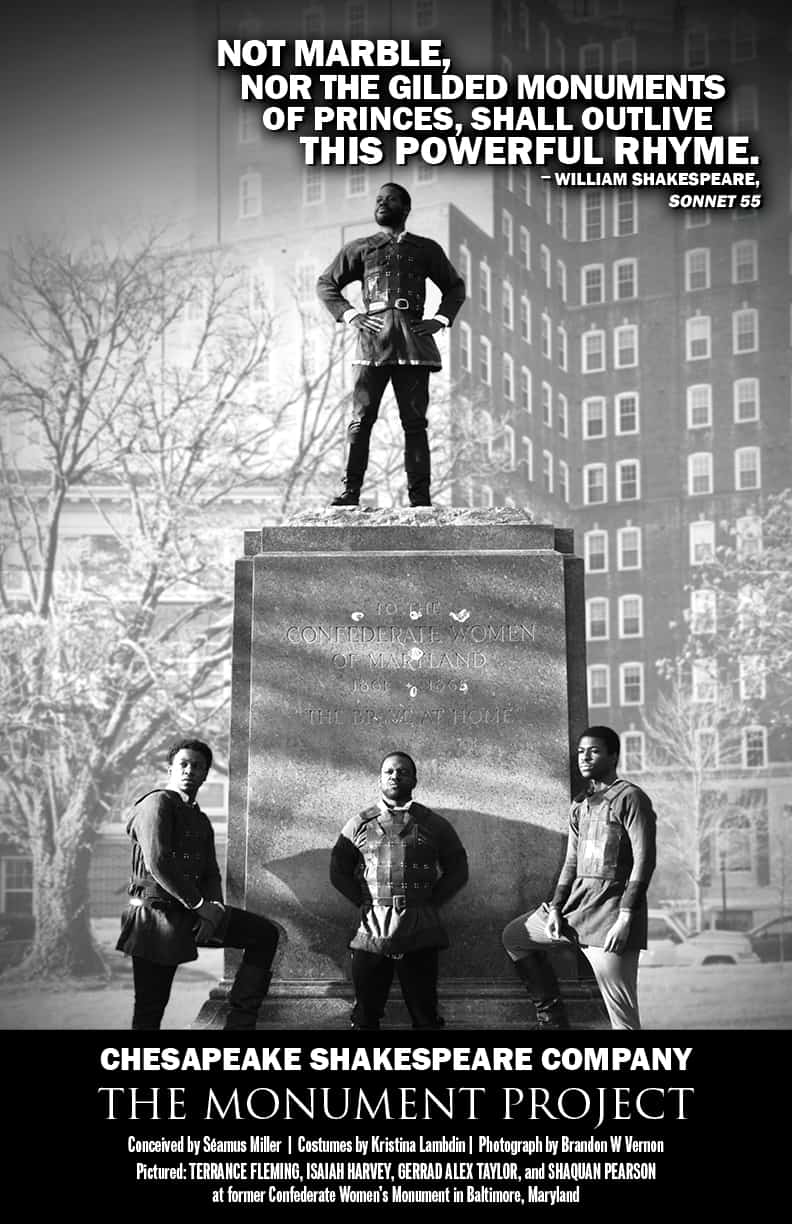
x=349, y=497
x=244, y=999
x=542, y=985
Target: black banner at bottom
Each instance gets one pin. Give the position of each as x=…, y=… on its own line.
x=206, y=1123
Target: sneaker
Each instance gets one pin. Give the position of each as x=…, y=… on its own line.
x=350, y=497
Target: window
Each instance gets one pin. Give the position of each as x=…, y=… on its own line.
x=749, y=536
x=508, y=306
x=563, y=347
x=525, y=248
x=592, y=284
x=754, y=747
x=625, y=279
x=627, y=420
x=594, y=417
x=752, y=678
x=593, y=216
x=485, y=283
x=591, y=58
x=597, y=619
x=699, y=406
x=547, y=193
x=563, y=480
x=425, y=14
x=633, y=751
x=357, y=181
x=595, y=552
x=702, y=542
x=547, y=471
x=464, y=264
x=249, y=126
x=697, y=269
x=599, y=685
x=746, y=400
x=313, y=185
x=357, y=18
x=703, y=611
x=525, y=186
x=527, y=457
x=16, y=885
x=704, y=680
x=593, y=351
x=563, y=415
x=745, y=330
x=595, y=484
x=625, y=214
x=465, y=347
x=697, y=337
x=743, y=37
x=631, y=684
x=745, y=109
x=699, y=473
x=630, y=616
x=424, y=173
x=525, y=319
x=485, y=361
x=545, y=265
x=313, y=22
x=696, y=47
x=706, y=748
x=547, y=337
x=508, y=377
x=747, y=469
x=628, y=480
x=623, y=54
x=744, y=261
x=507, y=230
x=249, y=195
x=628, y=550
x=561, y=279
x=526, y=389
x=509, y=447
x=547, y=404
x=625, y=346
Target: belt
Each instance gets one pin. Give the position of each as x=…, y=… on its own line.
x=397, y=304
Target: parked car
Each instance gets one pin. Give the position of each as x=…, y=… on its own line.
x=772, y=940
x=670, y=944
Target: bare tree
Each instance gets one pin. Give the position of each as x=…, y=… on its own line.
x=130, y=381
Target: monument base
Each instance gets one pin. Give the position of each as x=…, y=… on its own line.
x=464, y=1004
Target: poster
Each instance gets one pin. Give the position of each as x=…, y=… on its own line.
x=110, y=119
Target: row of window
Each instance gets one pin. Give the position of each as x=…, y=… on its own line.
x=630, y=617
x=701, y=541
x=502, y=448
x=595, y=482
x=753, y=749
x=742, y=40
x=747, y=471
x=424, y=17
x=626, y=417
x=745, y=403
x=744, y=265
x=631, y=684
x=593, y=348
x=628, y=549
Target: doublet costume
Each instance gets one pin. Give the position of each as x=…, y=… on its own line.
x=397, y=865
x=174, y=867
x=393, y=270
x=174, y=870
x=609, y=863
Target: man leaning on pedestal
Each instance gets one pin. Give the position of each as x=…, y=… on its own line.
x=176, y=898
x=395, y=343
x=600, y=899
x=398, y=862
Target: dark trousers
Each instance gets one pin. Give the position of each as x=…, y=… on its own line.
x=372, y=975
x=411, y=388
x=238, y=929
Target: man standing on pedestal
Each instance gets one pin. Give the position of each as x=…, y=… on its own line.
x=398, y=862
x=600, y=899
x=395, y=343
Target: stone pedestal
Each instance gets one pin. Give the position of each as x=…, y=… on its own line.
x=457, y=637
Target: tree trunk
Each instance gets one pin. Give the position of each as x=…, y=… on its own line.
x=63, y=943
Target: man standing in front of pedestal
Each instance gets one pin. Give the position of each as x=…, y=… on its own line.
x=398, y=862
x=600, y=899
x=395, y=343
x=176, y=898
